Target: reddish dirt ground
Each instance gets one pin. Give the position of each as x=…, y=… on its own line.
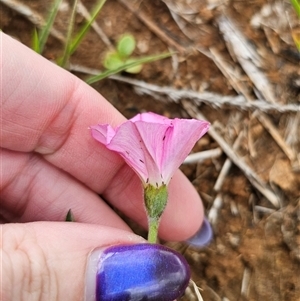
x=255, y=253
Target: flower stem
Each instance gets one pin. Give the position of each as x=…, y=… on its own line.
x=153, y=231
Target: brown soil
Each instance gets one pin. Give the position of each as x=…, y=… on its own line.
x=255, y=254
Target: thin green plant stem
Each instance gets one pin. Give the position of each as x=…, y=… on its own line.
x=45, y=31
x=144, y=60
x=75, y=43
x=296, y=5
x=153, y=230
x=66, y=55
x=155, y=200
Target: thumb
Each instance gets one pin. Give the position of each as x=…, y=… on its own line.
x=55, y=261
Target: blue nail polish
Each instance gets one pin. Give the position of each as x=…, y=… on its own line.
x=203, y=236
x=145, y=272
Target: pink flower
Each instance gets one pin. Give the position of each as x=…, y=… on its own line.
x=153, y=145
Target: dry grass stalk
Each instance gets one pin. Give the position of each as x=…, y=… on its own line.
x=245, y=282
x=212, y=99
x=250, y=61
x=201, y=156
x=227, y=165
x=197, y=290
x=232, y=73
x=267, y=123
x=214, y=210
x=251, y=175
x=34, y=17
x=247, y=57
x=39, y=20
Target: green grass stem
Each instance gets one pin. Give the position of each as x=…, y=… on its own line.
x=36, y=41
x=66, y=55
x=296, y=5
x=86, y=27
x=45, y=31
x=143, y=60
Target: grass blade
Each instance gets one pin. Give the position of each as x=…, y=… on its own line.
x=86, y=27
x=45, y=31
x=66, y=55
x=70, y=216
x=296, y=5
x=144, y=60
x=36, y=41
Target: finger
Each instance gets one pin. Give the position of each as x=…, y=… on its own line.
x=34, y=190
x=47, y=261
x=70, y=261
x=49, y=111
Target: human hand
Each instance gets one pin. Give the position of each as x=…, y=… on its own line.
x=50, y=164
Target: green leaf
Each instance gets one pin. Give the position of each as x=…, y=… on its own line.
x=112, y=61
x=45, y=31
x=140, y=61
x=134, y=70
x=70, y=216
x=35, y=41
x=126, y=45
x=86, y=27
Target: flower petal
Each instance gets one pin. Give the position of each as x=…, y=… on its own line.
x=151, y=117
x=153, y=136
x=179, y=141
x=103, y=133
x=153, y=145
x=129, y=144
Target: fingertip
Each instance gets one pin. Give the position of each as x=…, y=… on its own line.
x=203, y=237
x=184, y=213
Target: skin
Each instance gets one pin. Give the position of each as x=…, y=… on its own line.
x=49, y=164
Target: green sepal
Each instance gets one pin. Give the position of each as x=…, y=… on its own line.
x=155, y=199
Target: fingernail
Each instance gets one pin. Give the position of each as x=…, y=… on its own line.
x=203, y=237
x=137, y=272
